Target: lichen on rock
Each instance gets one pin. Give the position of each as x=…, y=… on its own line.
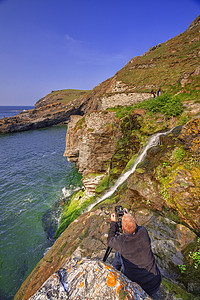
x=88, y=279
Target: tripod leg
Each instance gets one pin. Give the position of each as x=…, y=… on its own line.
x=108, y=250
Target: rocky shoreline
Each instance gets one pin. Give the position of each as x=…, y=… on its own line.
x=48, y=115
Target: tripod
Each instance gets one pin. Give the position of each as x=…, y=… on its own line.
x=108, y=250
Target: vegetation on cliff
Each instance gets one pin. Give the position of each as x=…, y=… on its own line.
x=163, y=193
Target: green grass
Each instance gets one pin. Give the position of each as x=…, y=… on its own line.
x=64, y=96
x=69, y=95
x=164, y=65
x=165, y=104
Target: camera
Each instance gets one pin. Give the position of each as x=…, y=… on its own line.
x=119, y=214
x=119, y=211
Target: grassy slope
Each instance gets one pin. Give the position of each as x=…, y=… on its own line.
x=164, y=65
x=62, y=96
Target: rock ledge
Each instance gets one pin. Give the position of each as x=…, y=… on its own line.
x=88, y=279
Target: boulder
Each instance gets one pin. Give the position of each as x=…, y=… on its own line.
x=88, y=279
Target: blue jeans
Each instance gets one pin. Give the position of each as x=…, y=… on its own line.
x=119, y=265
x=118, y=262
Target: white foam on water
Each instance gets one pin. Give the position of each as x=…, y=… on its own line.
x=46, y=250
x=68, y=192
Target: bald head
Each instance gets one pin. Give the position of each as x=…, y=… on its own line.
x=128, y=223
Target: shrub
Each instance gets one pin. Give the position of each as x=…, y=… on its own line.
x=166, y=104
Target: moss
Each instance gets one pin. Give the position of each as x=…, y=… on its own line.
x=79, y=124
x=175, y=290
x=62, y=247
x=180, y=175
x=84, y=232
x=90, y=129
x=103, y=185
x=121, y=111
x=184, y=118
x=93, y=175
x=178, y=154
x=191, y=270
x=73, y=209
x=140, y=170
x=109, y=201
x=130, y=163
x=50, y=260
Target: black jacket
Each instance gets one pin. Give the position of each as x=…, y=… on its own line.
x=138, y=259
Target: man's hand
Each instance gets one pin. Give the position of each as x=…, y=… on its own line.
x=113, y=218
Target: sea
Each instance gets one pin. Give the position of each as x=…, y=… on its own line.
x=11, y=111
x=34, y=180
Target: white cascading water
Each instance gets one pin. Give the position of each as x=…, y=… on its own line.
x=152, y=142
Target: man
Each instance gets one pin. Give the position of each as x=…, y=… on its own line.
x=134, y=254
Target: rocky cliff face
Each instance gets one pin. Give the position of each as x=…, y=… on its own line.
x=162, y=194
x=91, y=141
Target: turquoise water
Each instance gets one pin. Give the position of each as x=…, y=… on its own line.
x=33, y=173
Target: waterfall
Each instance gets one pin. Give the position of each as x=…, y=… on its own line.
x=152, y=142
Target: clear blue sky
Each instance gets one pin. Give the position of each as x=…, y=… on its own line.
x=49, y=45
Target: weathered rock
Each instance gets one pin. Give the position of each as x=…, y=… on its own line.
x=192, y=107
x=91, y=141
x=145, y=189
x=91, y=181
x=123, y=100
x=184, y=194
x=41, y=117
x=168, y=240
x=190, y=135
x=118, y=86
x=88, y=279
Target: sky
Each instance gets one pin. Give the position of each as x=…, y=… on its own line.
x=50, y=45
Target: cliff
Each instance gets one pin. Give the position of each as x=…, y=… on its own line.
x=53, y=109
x=169, y=211
x=163, y=191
